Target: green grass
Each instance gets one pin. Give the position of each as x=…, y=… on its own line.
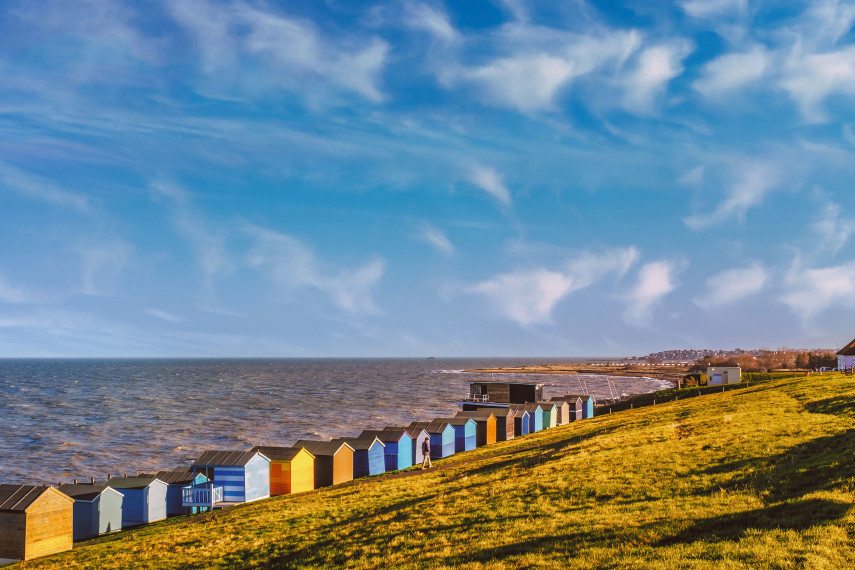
x=757, y=477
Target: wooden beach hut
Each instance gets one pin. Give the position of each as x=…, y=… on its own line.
x=485, y=425
x=398, y=450
x=574, y=406
x=144, y=499
x=34, y=521
x=292, y=469
x=333, y=461
x=465, y=433
x=177, y=479
x=441, y=435
x=233, y=477
x=97, y=509
x=550, y=414
x=417, y=436
x=368, y=456
x=563, y=409
x=587, y=404
x=522, y=424
x=504, y=423
x=535, y=418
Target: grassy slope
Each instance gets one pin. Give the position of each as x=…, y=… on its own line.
x=757, y=477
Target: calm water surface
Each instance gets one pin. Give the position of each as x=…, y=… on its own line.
x=61, y=419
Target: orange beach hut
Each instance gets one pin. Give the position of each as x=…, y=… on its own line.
x=292, y=469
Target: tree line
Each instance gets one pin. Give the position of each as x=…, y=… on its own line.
x=769, y=360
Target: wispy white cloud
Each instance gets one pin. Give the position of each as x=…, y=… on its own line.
x=732, y=285
x=810, y=78
x=208, y=242
x=434, y=237
x=490, y=181
x=101, y=266
x=809, y=292
x=10, y=293
x=655, y=67
x=731, y=72
x=35, y=187
x=832, y=229
x=164, y=315
x=294, y=53
x=420, y=16
x=754, y=181
x=655, y=280
x=293, y=265
x=528, y=296
x=713, y=8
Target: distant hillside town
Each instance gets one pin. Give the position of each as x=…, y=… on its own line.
x=689, y=356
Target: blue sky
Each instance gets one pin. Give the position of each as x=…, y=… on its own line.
x=412, y=178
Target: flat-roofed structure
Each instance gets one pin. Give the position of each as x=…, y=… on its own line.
x=489, y=392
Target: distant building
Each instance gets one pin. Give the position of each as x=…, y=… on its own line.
x=724, y=375
x=846, y=357
x=489, y=393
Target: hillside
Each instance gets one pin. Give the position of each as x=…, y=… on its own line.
x=761, y=476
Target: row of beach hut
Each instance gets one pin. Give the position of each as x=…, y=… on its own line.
x=40, y=520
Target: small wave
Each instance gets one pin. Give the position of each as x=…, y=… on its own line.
x=448, y=371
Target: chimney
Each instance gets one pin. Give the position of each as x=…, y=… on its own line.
x=93, y=481
x=75, y=481
x=109, y=476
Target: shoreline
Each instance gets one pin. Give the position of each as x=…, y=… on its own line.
x=670, y=373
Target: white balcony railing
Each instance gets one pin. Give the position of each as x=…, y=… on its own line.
x=205, y=496
x=476, y=398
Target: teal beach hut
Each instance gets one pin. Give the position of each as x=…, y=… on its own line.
x=441, y=435
x=177, y=479
x=369, y=456
x=550, y=414
x=398, y=447
x=233, y=477
x=465, y=433
x=144, y=499
x=97, y=509
x=417, y=437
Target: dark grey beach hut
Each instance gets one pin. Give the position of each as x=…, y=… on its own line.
x=97, y=508
x=574, y=406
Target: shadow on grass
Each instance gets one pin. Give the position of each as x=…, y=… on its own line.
x=797, y=516
x=823, y=463
x=839, y=406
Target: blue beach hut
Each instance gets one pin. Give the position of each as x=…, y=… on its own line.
x=144, y=499
x=369, y=456
x=465, y=433
x=441, y=435
x=417, y=436
x=233, y=477
x=522, y=423
x=177, y=479
x=535, y=418
x=398, y=448
x=97, y=509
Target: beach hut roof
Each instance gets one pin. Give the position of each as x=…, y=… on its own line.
x=458, y=421
x=226, y=458
x=437, y=426
x=176, y=476
x=506, y=383
x=281, y=453
x=131, y=482
x=546, y=405
x=385, y=435
x=316, y=447
x=360, y=444
x=83, y=492
x=567, y=398
x=582, y=397
x=18, y=498
x=518, y=410
x=480, y=413
x=848, y=350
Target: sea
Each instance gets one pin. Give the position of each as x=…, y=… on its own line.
x=76, y=418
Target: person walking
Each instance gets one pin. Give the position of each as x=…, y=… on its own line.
x=426, y=453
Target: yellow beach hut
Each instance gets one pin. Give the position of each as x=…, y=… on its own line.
x=292, y=469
